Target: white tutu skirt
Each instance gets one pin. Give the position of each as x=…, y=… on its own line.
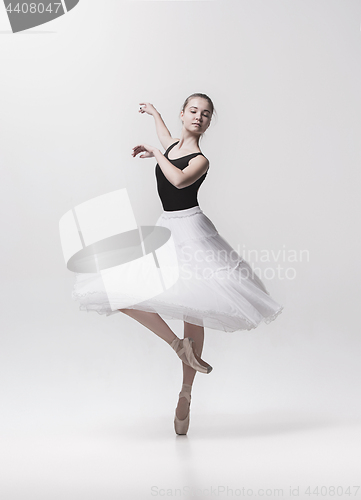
x=216, y=287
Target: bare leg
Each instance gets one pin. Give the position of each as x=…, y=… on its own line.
x=197, y=334
x=154, y=322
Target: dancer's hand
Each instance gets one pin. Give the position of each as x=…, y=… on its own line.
x=148, y=151
x=147, y=108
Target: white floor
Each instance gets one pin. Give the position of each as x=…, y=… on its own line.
x=223, y=456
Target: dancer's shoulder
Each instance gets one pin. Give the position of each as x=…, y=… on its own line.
x=168, y=141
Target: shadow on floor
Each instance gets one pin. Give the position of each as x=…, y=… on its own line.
x=220, y=426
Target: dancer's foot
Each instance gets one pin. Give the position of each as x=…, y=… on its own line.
x=182, y=409
x=182, y=415
x=185, y=351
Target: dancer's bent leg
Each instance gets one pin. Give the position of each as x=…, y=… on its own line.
x=154, y=322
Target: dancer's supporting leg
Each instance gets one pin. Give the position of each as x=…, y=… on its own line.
x=197, y=334
x=154, y=322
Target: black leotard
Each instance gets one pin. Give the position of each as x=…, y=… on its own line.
x=171, y=197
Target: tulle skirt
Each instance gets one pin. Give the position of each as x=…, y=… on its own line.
x=216, y=287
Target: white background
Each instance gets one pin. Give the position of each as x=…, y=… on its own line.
x=88, y=401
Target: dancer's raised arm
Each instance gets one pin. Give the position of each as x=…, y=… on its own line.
x=163, y=133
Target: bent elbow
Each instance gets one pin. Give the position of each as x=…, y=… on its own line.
x=183, y=184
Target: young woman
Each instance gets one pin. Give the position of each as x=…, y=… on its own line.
x=216, y=287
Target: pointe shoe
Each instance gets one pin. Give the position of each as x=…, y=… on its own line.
x=185, y=351
x=181, y=426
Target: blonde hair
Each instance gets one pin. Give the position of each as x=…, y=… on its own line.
x=203, y=96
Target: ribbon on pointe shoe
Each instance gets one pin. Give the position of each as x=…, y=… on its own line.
x=184, y=350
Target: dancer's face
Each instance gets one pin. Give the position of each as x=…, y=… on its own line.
x=197, y=116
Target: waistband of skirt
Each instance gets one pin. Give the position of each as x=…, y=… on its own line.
x=182, y=213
